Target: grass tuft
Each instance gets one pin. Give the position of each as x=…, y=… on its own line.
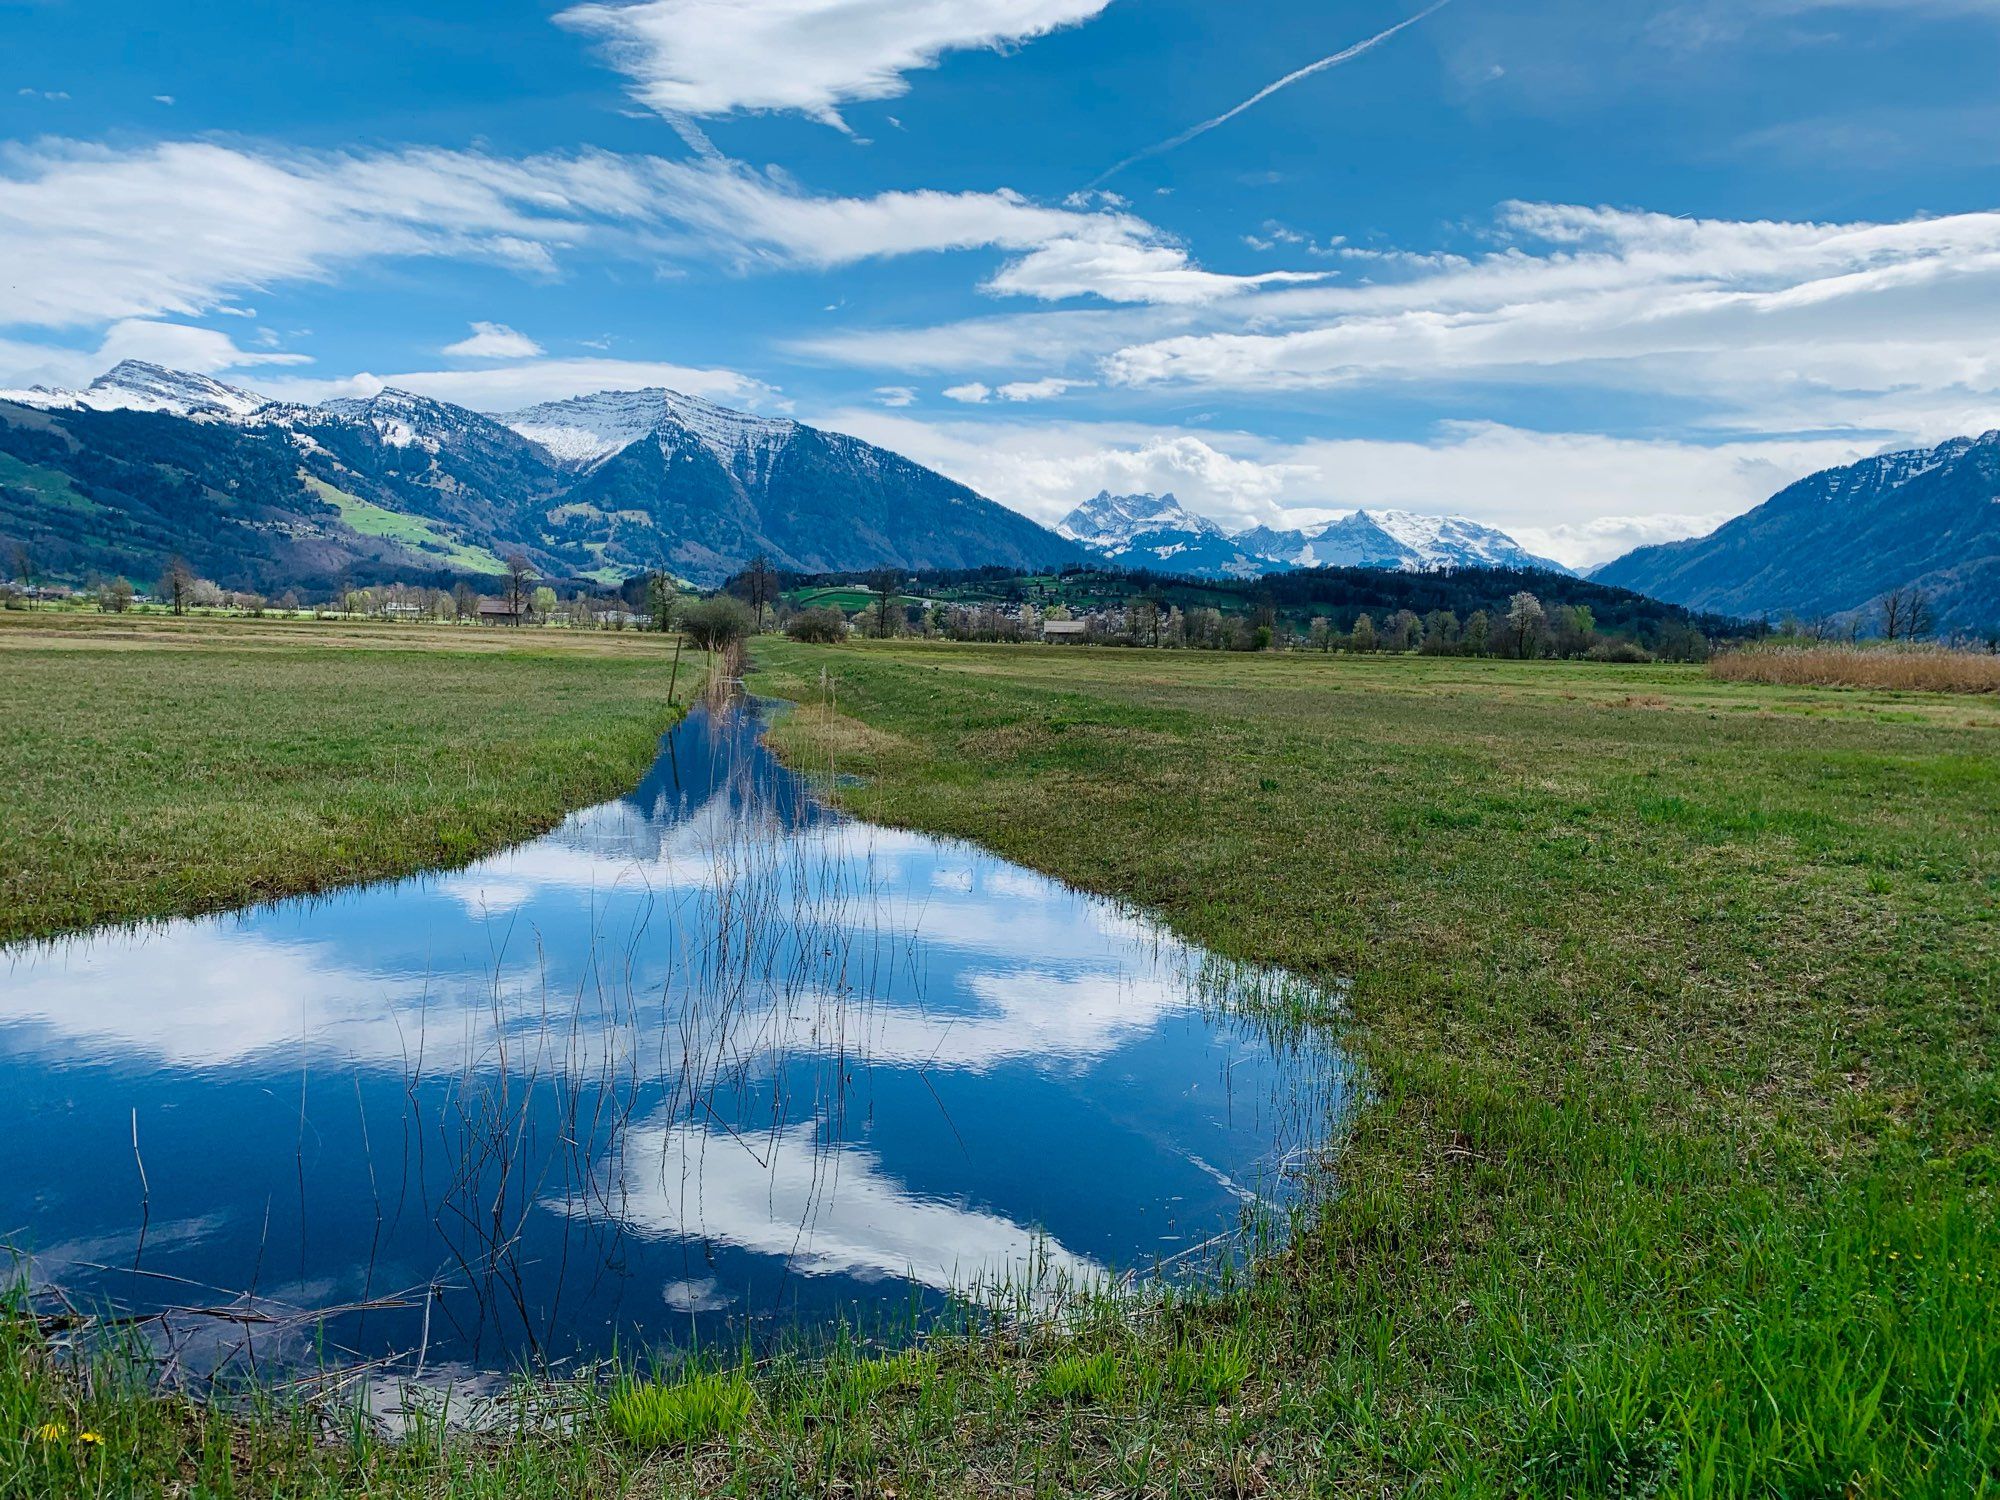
x=695, y=1409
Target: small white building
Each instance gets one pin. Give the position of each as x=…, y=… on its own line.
x=1065, y=630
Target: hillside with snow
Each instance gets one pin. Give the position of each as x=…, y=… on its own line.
x=602, y=486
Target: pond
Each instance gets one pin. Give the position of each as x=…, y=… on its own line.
x=706, y=1062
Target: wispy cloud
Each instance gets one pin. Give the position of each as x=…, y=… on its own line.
x=691, y=59
x=1333, y=60
x=93, y=234
x=506, y=387
x=1746, y=319
x=494, y=341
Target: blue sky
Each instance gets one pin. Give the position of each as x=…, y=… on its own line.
x=1598, y=274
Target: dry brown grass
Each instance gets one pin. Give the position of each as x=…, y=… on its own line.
x=1921, y=669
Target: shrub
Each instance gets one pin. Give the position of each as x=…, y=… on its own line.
x=693, y=1410
x=1620, y=650
x=1926, y=669
x=715, y=623
x=819, y=627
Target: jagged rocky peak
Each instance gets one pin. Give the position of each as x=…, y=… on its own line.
x=1108, y=520
x=587, y=429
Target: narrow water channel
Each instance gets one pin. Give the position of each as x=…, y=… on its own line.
x=704, y=1061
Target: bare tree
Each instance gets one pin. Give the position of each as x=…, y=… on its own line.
x=176, y=585
x=520, y=585
x=1923, y=619
x=465, y=601
x=760, y=584
x=22, y=557
x=884, y=584
x=1895, y=615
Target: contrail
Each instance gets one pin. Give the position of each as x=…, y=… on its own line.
x=1334, y=61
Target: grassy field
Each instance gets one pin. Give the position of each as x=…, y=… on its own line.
x=155, y=767
x=1676, y=1001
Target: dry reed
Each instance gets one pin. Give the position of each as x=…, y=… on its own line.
x=1925, y=669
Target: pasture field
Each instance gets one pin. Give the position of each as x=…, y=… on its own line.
x=158, y=767
x=1676, y=1004
x=1680, y=1005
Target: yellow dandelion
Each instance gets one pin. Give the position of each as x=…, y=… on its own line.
x=52, y=1432
x=91, y=1438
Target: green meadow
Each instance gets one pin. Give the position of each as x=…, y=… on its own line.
x=160, y=767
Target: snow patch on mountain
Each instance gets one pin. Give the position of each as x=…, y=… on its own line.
x=404, y=419
x=136, y=385
x=1112, y=521
x=585, y=430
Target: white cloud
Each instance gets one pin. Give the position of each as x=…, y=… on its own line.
x=698, y=58
x=91, y=234
x=896, y=395
x=972, y=392
x=1581, y=498
x=1046, y=388
x=506, y=387
x=494, y=341
x=998, y=344
x=1120, y=268
x=1736, y=315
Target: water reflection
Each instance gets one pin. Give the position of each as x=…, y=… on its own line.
x=701, y=1055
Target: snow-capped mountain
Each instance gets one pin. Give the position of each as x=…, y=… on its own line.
x=1108, y=520
x=603, y=486
x=1410, y=542
x=586, y=430
x=403, y=419
x=135, y=385
x=1157, y=531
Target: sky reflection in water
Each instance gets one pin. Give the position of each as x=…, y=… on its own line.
x=704, y=1054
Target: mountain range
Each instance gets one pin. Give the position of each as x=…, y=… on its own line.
x=148, y=462
x=1832, y=545
x=1159, y=533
